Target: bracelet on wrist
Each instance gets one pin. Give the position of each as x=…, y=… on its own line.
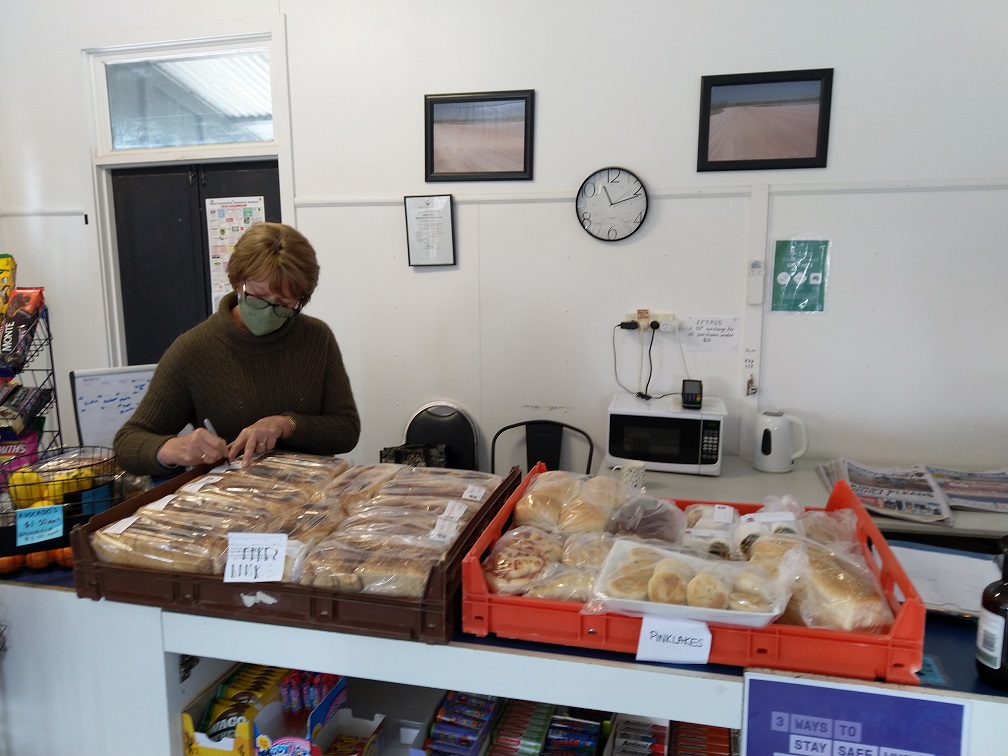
x=293, y=425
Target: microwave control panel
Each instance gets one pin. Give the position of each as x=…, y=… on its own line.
x=710, y=442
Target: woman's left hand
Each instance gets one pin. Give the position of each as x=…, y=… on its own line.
x=259, y=438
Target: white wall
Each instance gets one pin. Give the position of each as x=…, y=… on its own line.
x=904, y=366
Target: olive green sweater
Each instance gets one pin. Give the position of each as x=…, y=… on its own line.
x=219, y=371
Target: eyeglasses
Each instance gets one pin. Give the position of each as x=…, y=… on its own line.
x=258, y=303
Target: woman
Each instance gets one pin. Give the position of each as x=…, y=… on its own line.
x=255, y=375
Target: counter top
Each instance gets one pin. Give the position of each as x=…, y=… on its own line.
x=739, y=481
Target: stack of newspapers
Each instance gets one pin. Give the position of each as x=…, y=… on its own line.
x=921, y=493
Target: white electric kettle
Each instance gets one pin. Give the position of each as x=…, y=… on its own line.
x=774, y=448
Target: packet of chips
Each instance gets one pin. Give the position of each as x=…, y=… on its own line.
x=8, y=274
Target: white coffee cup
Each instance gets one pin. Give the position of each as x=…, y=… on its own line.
x=631, y=473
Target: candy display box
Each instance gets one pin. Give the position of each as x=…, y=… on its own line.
x=892, y=656
x=265, y=734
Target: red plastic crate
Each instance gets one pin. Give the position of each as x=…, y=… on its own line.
x=894, y=656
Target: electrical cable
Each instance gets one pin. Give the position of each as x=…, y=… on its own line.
x=615, y=360
x=644, y=394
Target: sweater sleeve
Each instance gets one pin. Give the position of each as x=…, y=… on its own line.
x=164, y=411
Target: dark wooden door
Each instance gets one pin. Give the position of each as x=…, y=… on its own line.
x=164, y=255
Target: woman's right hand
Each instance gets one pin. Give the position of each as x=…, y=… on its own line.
x=201, y=447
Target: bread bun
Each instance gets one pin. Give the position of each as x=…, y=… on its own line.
x=608, y=494
x=544, y=499
x=564, y=585
x=587, y=550
x=649, y=518
x=581, y=516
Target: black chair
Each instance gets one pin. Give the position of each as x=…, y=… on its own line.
x=544, y=442
x=446, y=423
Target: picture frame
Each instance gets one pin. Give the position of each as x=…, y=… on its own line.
x=430, y=230
x=770, y=120
x=482, y=136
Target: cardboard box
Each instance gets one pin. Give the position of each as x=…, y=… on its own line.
x=267, y=735
x=355, y=736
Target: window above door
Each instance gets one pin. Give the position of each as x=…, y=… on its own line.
x=186, y=100
x=209, y=93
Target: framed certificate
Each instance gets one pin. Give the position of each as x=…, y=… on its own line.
x=430, y=235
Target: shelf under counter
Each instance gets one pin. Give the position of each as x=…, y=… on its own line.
x=510, y=669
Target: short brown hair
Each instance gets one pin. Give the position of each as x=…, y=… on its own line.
x=279, y=254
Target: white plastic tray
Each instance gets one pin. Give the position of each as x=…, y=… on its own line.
x=626, y=549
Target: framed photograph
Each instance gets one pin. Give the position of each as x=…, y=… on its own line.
x=769, y=120
x=430, y=232
x=486, y=136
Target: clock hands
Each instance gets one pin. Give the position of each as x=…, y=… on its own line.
x=625, y=199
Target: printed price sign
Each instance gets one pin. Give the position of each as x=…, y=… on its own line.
x=37, y=524
x=255, y=557
x=790, y=716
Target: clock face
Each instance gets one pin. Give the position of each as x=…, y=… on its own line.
x=611, y=204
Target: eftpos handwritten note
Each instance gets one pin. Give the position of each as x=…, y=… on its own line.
x=712, y=334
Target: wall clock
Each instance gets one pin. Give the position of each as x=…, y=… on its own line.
x=611, y=204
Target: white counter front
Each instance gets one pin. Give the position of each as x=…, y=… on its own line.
x=83, y=676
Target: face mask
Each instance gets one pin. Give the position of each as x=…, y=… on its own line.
x=259, y=322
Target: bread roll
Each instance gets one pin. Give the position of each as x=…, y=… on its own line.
x=544, y=499
x=650, y=518
x=838, y=526
x=564, y=585
x=581, y=516
x=608, y=494
x=512, y=572
x=529, y=539
x=587, y=550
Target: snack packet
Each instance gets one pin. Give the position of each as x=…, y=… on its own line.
x=20, y=316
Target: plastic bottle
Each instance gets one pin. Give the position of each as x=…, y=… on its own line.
x=992, y=640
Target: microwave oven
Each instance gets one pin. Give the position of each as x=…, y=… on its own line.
x=666, y=437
